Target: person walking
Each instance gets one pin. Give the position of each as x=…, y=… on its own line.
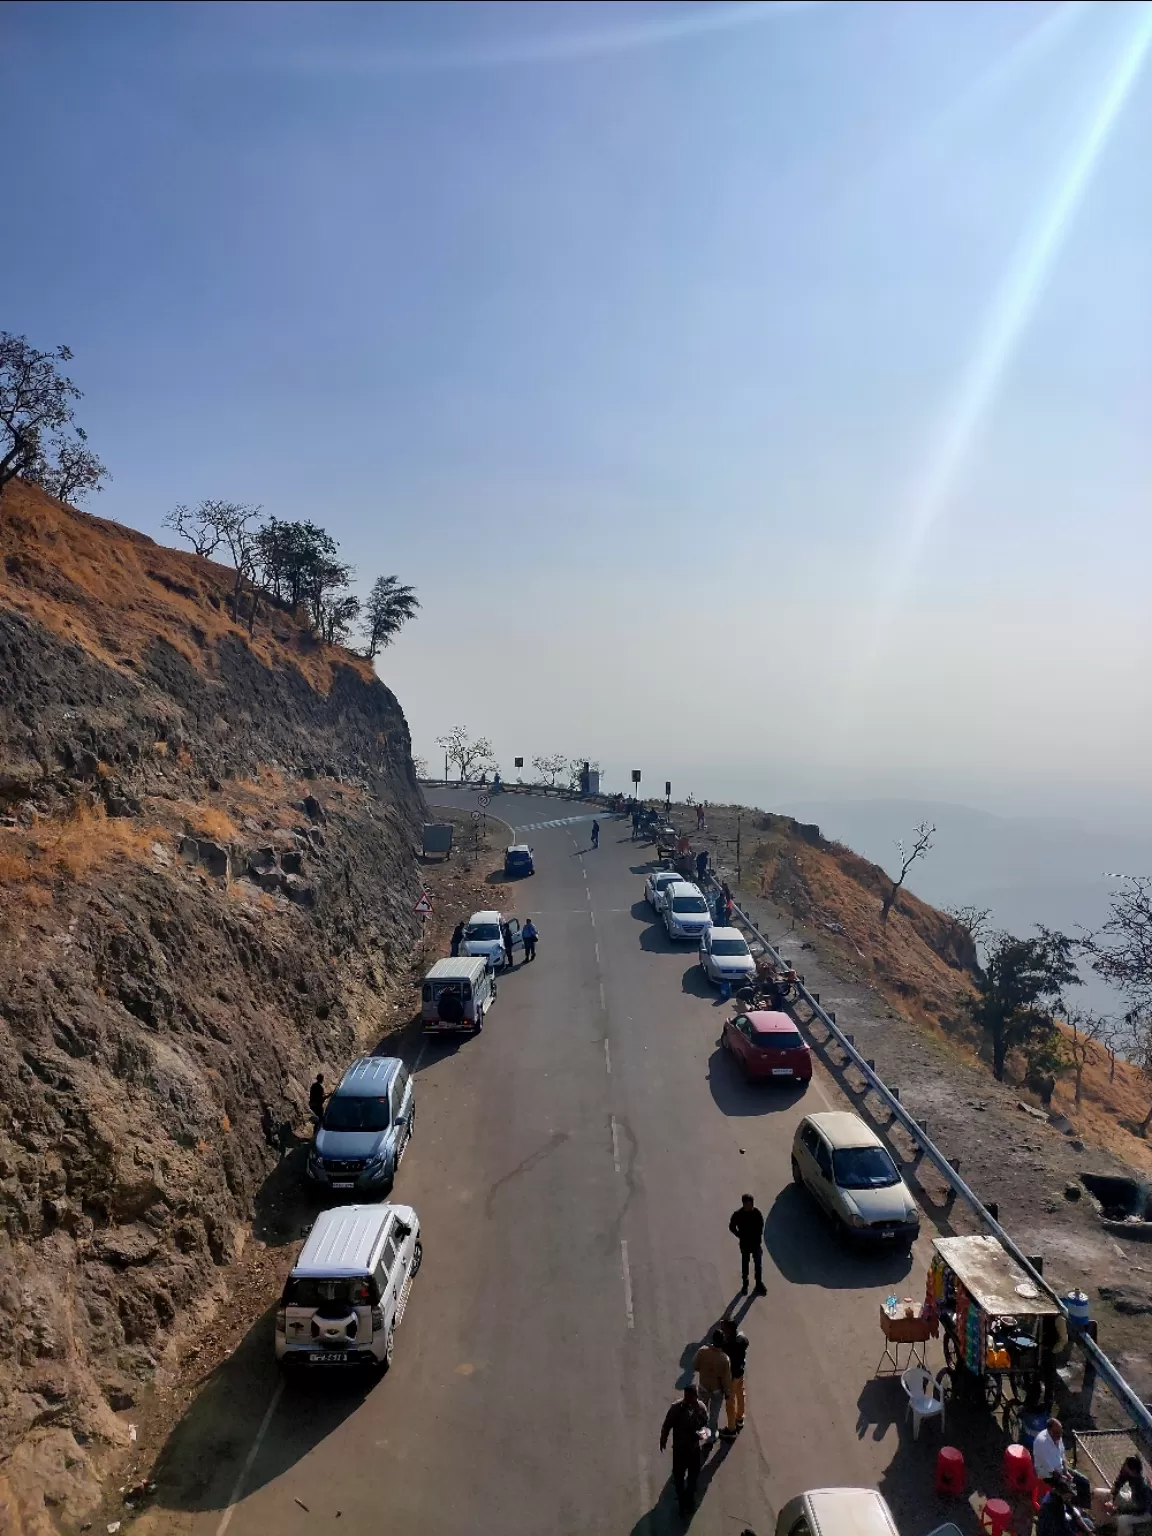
x=736, y=1348
x=509, y=952
x=684, y=1422
x=530, y=937
x=457, y=940
x=316, y=1100
x=747, y=1226
x=714, y=1369
x=700, y=818
x=635, y=825
x=595, y=834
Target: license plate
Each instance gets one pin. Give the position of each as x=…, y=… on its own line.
x=330, y=1357
x=343, y=1184
x=776, y=1072
x=888, y=1234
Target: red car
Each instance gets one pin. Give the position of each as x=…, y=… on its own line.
x=768, y=1045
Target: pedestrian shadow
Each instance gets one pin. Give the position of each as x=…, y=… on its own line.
x=664, y=1515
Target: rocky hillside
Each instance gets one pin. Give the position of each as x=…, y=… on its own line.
x=206, y=880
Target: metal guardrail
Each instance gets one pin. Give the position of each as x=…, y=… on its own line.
x=1103, y=1366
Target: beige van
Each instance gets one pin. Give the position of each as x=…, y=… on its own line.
x=847, y=1169
x=836, y=1512
x=456, y=995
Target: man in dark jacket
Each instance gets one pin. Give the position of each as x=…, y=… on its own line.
x=316, y=1098
x=457, y=940
x=735, y=1346
x=1058, y=1513
x=684, y=1421
x=509, y=951
x=747, y=1226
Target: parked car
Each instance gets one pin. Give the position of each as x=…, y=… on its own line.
x=837, y=1512
x=725, y=956
x=348, y=1289
x=456, y=995
x=484, y=935
x=656, y=884
x=367, y=1125
x=848, y=1170
x=768, y=1046
x=685, y=910
x=518, y=860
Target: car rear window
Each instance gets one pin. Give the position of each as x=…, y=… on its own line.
x=331, y=1298
x=482, y=931
x=351, y=1112
x=689, y=904
x=779, y=1040
x=864, y=1168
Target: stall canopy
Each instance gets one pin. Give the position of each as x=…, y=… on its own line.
x=993, y=1279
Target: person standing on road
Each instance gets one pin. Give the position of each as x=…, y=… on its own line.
x=747, y=1226
x=684, y=1421
x=457, y=940
x=530, y=936
x=736, y=1348
x=700, y=818
x=635, y=825
x=714, y=1369
x=595, y=834
x=316, y=1100
x=509, y=952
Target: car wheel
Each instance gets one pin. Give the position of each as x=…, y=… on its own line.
x=417, y=1258
x=389, y=1351
x=797, y=1176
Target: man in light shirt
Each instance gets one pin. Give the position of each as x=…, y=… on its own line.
x=1048, y=1460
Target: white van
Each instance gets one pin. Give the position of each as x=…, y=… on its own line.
x=347, y=1292
x=456, y=995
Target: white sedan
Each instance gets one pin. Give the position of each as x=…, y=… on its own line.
x=655, y=884
x=725, y=957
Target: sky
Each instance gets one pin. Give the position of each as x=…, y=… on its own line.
x=757, y=395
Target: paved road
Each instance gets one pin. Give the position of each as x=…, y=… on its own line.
x=574, y=1168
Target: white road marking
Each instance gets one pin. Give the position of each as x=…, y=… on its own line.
x=592, y=915
x=607, y=1057
x=615, y=1147
x=253, y=1452
x=596, y=946
x=560, y=821
x=627, y=1284
x=603, y=1004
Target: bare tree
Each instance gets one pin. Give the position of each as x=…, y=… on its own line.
x=38, y=436
x=551, y=768
x=1139, y=1046
x=1121, y=951
x=468, y=755
x=921, y=845
x=1086, y=1030
x=196, y=526
x=973, y=920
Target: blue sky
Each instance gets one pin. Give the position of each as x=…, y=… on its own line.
x=781, y=370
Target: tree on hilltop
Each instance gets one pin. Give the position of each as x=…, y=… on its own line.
x=1019, y=988
x=921, y=845
x=389, y=607
x=39, y=440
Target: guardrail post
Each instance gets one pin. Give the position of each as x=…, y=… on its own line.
x=895, y=1092
x=851, y=1039
x=815, y=997
x=870, y=1062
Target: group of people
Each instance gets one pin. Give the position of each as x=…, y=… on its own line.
x=773, y=987
x=1066, y=1508
x=693, y=1423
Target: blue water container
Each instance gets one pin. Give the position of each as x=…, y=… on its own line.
x=1078, y=1312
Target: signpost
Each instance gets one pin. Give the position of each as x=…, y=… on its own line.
x=635, y=775
x=484, y=800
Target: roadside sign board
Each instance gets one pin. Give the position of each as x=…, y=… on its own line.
x=424, y=906
x=635, y=775
x=484, y=800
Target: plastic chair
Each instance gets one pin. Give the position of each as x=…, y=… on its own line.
x=1017, y=1470
x=925, y=1397
x=996, y=1516
x=950, y=1474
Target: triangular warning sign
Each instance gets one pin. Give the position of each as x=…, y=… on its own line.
x=424, y=905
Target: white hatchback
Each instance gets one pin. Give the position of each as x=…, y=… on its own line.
x=725, y=957
x=484, y=935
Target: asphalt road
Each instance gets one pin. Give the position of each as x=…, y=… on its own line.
x=574, y=1168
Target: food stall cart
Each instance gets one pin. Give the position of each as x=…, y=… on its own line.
x=998, y=1327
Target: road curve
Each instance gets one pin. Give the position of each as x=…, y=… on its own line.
x=574, y=1168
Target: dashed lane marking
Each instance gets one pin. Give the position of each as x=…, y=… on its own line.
x=607, y=1057
x=615, y=1146
x=627, y=1284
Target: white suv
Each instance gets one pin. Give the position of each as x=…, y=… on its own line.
x=684, y=910
x=347, y=1292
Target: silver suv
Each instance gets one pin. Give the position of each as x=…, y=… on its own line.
x=366, y=1128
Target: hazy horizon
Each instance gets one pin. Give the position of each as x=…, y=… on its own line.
x=756, y=395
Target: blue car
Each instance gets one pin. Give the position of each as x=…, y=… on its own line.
x=518, y=860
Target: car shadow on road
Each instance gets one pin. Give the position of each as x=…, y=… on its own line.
x=732, y=1095
x=696, y=984
x=201, y=1459
x=806, y=1251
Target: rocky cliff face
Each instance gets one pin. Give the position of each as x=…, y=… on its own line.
x=206, y=879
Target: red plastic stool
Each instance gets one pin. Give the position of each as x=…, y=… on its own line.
x=950, y=1476
x=996, y=1516
x=1017, y=1470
